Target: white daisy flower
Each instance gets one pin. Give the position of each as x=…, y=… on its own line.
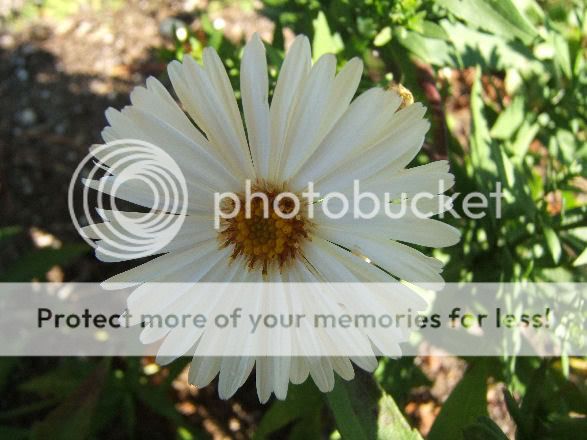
x=311, y=131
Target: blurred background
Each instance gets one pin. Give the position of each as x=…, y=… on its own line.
x=505, y=83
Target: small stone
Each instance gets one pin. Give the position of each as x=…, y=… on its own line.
x=6, y=41
x=22, y=74
x=60, y=128
x=26, y=117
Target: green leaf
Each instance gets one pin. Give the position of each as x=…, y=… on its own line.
x=7, y=366
x=392, y=423
x=362, y=411
x=398, y=377
x=159, y=401
x=565, y=143
x=303, y=401
x=12, y=433
x=484, y=429
x=526, y=134
x=72, y=419
x=57, y=382
x=567, y=427
x=581, y=259
x=513, y=410
x=489, y=51
x=324, y=41
x=429, y=50
x=8, y=232
x=500, y=17
x=553, y=243
x=383, y=37
x=528, y=418
x=28, y=409
x=509, y=120
x=37, y=263
x=310, y=426
x=433, y=30
x=352, y=416
x=466, y=403
x=562, y=56
x=486, y=156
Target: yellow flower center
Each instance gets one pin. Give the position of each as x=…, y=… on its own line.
x=264, y=236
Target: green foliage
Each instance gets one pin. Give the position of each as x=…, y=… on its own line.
x=363, y=411
x=301, y=409
x=35, y=264
x=466, y=403
x=25, y=11
x=484, y=429
x=73, y=417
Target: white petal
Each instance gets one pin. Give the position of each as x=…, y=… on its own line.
x=203, y=370
x=357, y=128
x=432, y=178
x=156, y=100
x=141, y=193
x=294, y=71
x=398, y=259
x=409, y=228
x=322, y=373
x=254, y=92
x=361, y=269
x=219, y=78
x=195, y=160
x=343, y=89
x=233, y=372
x=343, y=367
x=310, y=108
x=376, y=158
x=211, y=110
x=162, y=266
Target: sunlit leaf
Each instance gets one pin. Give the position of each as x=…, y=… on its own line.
x=509, y=119
x=562, y=56
x=430, y=50
x=553, y=243
x=324, y=40
x=487, y=50
x=500, y=17
x=383, y=37
x=581, y=259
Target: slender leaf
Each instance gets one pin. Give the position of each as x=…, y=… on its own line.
x=466, y=403
x=581, y=259
x=72, y=419
x=362, y=411
x=484, y=429
x=302, y=402
x=553, y=243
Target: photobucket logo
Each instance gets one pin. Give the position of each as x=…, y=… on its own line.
x=137, y=172
x=358, y=204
